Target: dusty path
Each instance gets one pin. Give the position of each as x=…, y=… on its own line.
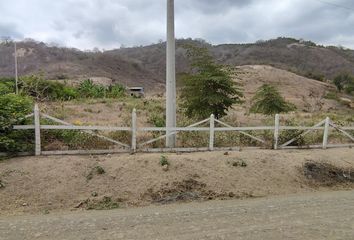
x=327, y=215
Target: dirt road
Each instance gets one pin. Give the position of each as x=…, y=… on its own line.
x=327, y=215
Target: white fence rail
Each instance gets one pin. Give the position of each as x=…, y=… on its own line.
x=324, y=126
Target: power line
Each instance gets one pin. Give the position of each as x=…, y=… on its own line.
x=336, y=5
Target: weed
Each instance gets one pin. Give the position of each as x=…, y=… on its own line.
x=105, y=204
x=98, y=170
x=238, y=163
x=164, y=161
x=46, y=212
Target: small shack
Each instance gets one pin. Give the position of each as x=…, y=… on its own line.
x=136, y=92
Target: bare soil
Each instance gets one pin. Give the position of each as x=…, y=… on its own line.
x=55, y=183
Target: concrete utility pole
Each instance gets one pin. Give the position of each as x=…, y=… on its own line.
x=16, y=72
x=170, y=75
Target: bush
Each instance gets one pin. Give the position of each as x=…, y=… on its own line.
x=88, y=89
x=268, y=101
x=116, y=91
x=344, y=82
x=13, y=109
x=164, y=161
x=41, y=89
x=7, y=85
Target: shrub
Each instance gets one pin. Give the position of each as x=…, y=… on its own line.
x=158, y=120
x=268, y=101
x=164, y=161
x=7, y=85
x=344, y=82
x=42, y=89
x=13, y=109
x=116, y=91
x=87, y=89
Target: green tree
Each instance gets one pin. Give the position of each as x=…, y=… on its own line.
x=209, y=89
x=269, y=101
x=344, y=81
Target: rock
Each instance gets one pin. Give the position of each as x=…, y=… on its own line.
x=226, y=153
x=165, y=168
x=24, y=204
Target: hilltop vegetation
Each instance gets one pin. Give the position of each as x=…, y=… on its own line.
x=145, y=65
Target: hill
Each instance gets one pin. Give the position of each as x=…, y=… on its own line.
x=145, y=65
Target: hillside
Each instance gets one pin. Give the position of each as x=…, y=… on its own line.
x=285, y=53
x=62, y=63
x=145, y=65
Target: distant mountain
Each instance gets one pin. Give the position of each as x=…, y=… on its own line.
x=145, y=66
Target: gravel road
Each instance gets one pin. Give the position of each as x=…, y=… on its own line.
x=327, y=215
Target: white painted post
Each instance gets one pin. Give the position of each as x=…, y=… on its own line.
x=325, y=134
x=37, y=130
x=170, y=76
x=276, y=132
x=212, y=132
x=134, y=129
x=16, y=70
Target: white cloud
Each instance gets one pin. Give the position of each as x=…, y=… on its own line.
x=107, y=24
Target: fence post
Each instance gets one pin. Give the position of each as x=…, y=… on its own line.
x=325, y=134
x=37, y=130
x=276, y=132
x=134, y=129
x=212, y=131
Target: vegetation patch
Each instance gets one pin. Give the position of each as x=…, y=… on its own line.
x=237, y=163
x=98, y=170
x=13, y=109
x=327, y=175
x=106, y=203
x=164, y=161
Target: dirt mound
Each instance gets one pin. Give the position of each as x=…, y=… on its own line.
x=188, y=190
x=308, y=95
x=324, y=174
x=53, y=183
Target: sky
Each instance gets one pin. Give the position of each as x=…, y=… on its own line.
x=108, y=24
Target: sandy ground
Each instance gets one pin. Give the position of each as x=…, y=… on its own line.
x=311, y=216
x=50, y=184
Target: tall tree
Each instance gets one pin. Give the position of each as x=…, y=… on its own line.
x=269, y=101
x=209, y=88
